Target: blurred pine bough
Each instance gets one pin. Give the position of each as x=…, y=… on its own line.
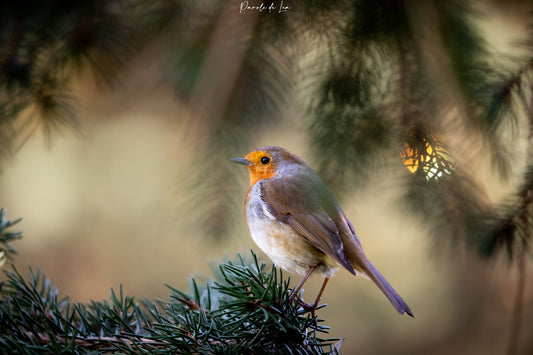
x=418, y=82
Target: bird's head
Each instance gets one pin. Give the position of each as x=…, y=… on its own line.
x=267, y=162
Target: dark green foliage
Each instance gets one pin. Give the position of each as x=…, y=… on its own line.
x=42, y=46
x=448, y=205
x=511, y=228
x=351, y=123
x=466, y=47
x=382, y=21
x=246, y=311
x=7, y=236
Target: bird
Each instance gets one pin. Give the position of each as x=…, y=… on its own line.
x=296, y=221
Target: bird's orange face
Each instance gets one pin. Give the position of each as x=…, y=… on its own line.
x=261, y=165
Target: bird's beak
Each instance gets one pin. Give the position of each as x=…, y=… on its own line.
x=242, y=161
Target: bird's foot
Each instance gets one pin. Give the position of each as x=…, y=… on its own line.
x=309, y=307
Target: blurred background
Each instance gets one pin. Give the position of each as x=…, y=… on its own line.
x=118, y=120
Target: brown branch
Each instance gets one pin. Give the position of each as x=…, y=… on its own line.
x=92, y=342
x=224, y=57
x=516, y=322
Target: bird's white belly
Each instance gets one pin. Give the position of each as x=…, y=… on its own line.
x=286, y=248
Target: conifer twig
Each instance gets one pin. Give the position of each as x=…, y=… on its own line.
x=245, y=310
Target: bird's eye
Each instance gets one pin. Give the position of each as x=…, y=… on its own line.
x=265, y=160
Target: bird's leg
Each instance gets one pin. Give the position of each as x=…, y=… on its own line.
x=299, y=287
x=322, y=288
x=312, y=307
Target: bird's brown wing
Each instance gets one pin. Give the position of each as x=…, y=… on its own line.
x=309, y=208
x=307, y=205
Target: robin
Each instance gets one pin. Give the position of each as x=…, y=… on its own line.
x=294, y=218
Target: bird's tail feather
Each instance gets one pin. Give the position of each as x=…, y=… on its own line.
x=387, y=289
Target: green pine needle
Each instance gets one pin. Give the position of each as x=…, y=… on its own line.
x=253, y=315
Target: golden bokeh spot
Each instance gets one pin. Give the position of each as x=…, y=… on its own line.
x=427, y=155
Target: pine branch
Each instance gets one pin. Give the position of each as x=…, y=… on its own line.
x=7, y=235
x=246, y=310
